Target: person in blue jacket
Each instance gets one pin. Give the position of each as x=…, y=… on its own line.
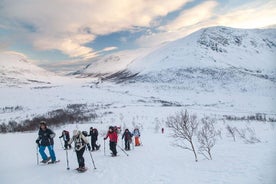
x=46, y=139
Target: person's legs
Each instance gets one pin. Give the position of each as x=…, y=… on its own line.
x=52, y=152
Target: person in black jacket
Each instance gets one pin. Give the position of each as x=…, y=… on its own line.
x=66, y=137
x=46, y=139
x=94, y=137
x=128, y=139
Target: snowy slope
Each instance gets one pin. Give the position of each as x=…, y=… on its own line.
x=112, y=63
x=156, y=162
x=16, y=70
x=215, y=47
x=210, y=52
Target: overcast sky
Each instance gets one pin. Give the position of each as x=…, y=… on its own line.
x=51, y=31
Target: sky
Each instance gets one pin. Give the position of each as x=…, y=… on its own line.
x=75, y=31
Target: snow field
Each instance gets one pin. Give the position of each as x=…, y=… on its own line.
x=155, y=162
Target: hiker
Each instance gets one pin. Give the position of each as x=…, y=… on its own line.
x=80, y=143
x=94, y=137
x=66, y=137
x=136, y=134
x=162, y=130
x=113, y=138
x=46, y=139
x=128, y=139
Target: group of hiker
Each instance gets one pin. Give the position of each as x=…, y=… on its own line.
x=46, y=139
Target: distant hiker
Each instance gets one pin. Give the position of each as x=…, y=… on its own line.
x=80, y=143
x=136, y=134
x=46, y=139
x=66, y=137
x=94, y=137
x=128, y=139
x=162, y=130
x=113, y=138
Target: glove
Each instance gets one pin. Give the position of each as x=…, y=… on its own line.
x=37, y=141
x=88, y=146
x=105, y=138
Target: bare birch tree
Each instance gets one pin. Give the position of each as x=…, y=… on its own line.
x=184, y=129
x=207, y=137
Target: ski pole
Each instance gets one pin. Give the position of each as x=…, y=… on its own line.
x=104, y=148
x=67, y=160
x=37, y=159
x=61, y=143
x=132, y=144
x=92, y=159
x=123, y=150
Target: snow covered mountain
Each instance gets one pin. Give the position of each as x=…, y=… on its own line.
x=16, y=70
x=211, y=53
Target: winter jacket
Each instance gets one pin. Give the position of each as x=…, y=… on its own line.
x=46, y=137
x=94, y=134
x=113, y=137
x=136, y=132
x=65, y=135
x=80, y=141
x=127, y=135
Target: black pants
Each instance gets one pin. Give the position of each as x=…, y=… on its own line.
x=66, y=145
x=127, y=144
x=80, y=157
x=112, y=146
x=93, y=144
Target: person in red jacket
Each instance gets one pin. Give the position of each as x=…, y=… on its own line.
x=113, y=138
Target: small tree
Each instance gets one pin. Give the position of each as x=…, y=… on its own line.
x=248, y=135
x=184, y=128
x=232, y=131
x=207, y=137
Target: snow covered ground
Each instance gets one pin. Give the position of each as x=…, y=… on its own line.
x=157, y=161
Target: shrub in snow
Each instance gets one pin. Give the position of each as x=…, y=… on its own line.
x=184, y=128
x=206, y=137
x=248, y=135
x=232, y=131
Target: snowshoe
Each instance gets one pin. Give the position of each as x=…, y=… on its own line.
x=45, y=161
x=81, y=169
x=53, y=162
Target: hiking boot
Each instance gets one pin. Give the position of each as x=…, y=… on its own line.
x=45, y=161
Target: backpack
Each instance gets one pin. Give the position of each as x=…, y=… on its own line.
x=84, y=133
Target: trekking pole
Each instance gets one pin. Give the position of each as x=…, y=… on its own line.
x=61, y=143
x=104, y=148
x=123, y=150
x=132, y=143
x=67, y=160
x=37, y=159
x=92, y=159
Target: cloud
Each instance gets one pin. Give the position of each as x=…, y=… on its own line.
x=68, y=26
x=109, y=49
x=253, y=15
x=192, y=16
x=257, y=14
